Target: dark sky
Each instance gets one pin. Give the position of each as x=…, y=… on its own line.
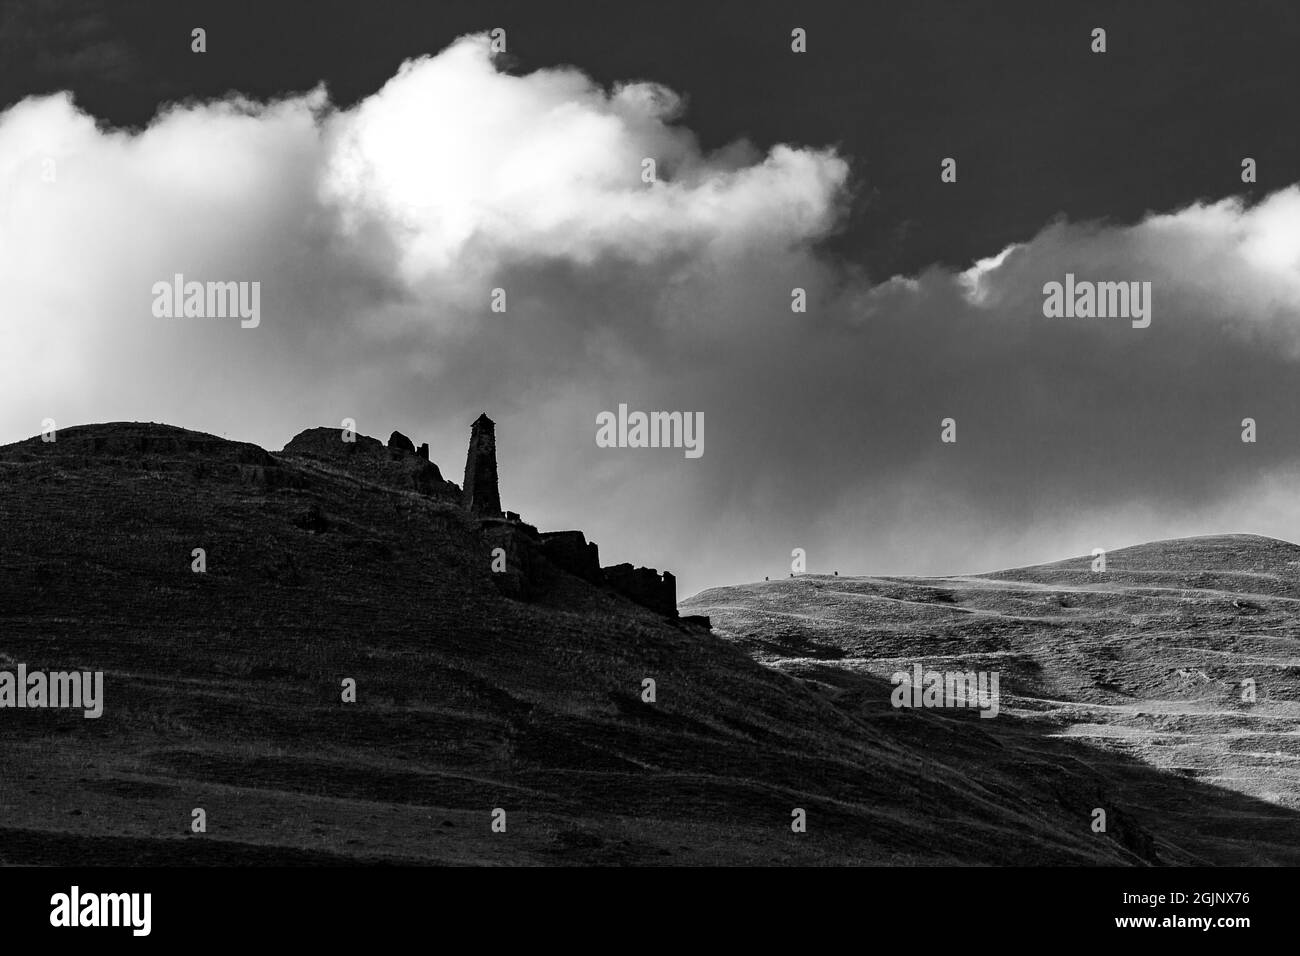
x=1040, y=126
x=378, y=220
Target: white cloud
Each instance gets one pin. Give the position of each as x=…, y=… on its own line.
x=471, y=168
x=1223, y=264
x=977, y=291
x=378, y=230
x=367, y=227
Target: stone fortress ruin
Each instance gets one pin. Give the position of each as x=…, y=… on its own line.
x=569, y=551
x=532, y=558
x=481, y=494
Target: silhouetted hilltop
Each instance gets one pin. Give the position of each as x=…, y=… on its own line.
x=134, y=443
x=147, y=446
x=609, y=733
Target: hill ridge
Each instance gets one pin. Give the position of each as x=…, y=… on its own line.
x=223, y=690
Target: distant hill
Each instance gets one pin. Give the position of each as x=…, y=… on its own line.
x=1145, y=660
x=223, y=689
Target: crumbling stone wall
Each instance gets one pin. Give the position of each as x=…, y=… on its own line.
x=532, y=559
x=524, y=577
x=645, y=586
x=571, y=551
x=399, y=442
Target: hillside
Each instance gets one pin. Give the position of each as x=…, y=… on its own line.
x=1144, y=661
x=223, y=688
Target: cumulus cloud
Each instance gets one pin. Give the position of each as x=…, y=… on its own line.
x=476, y=168
x=379, y=227
x=379, y=232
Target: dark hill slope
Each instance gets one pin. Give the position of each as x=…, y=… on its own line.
x=223, y=692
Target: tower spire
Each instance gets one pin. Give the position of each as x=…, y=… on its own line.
x=481, y=496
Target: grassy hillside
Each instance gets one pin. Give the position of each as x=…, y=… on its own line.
x=1143, y=661
x=223, y=691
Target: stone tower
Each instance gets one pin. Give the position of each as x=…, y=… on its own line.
x=481, y=495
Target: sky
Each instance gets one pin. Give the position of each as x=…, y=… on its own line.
x=381, y=177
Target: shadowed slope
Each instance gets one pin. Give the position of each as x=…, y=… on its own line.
x=223, y=692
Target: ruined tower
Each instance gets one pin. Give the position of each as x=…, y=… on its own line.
x=481, y=495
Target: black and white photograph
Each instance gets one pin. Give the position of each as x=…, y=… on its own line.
x=679, y=436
